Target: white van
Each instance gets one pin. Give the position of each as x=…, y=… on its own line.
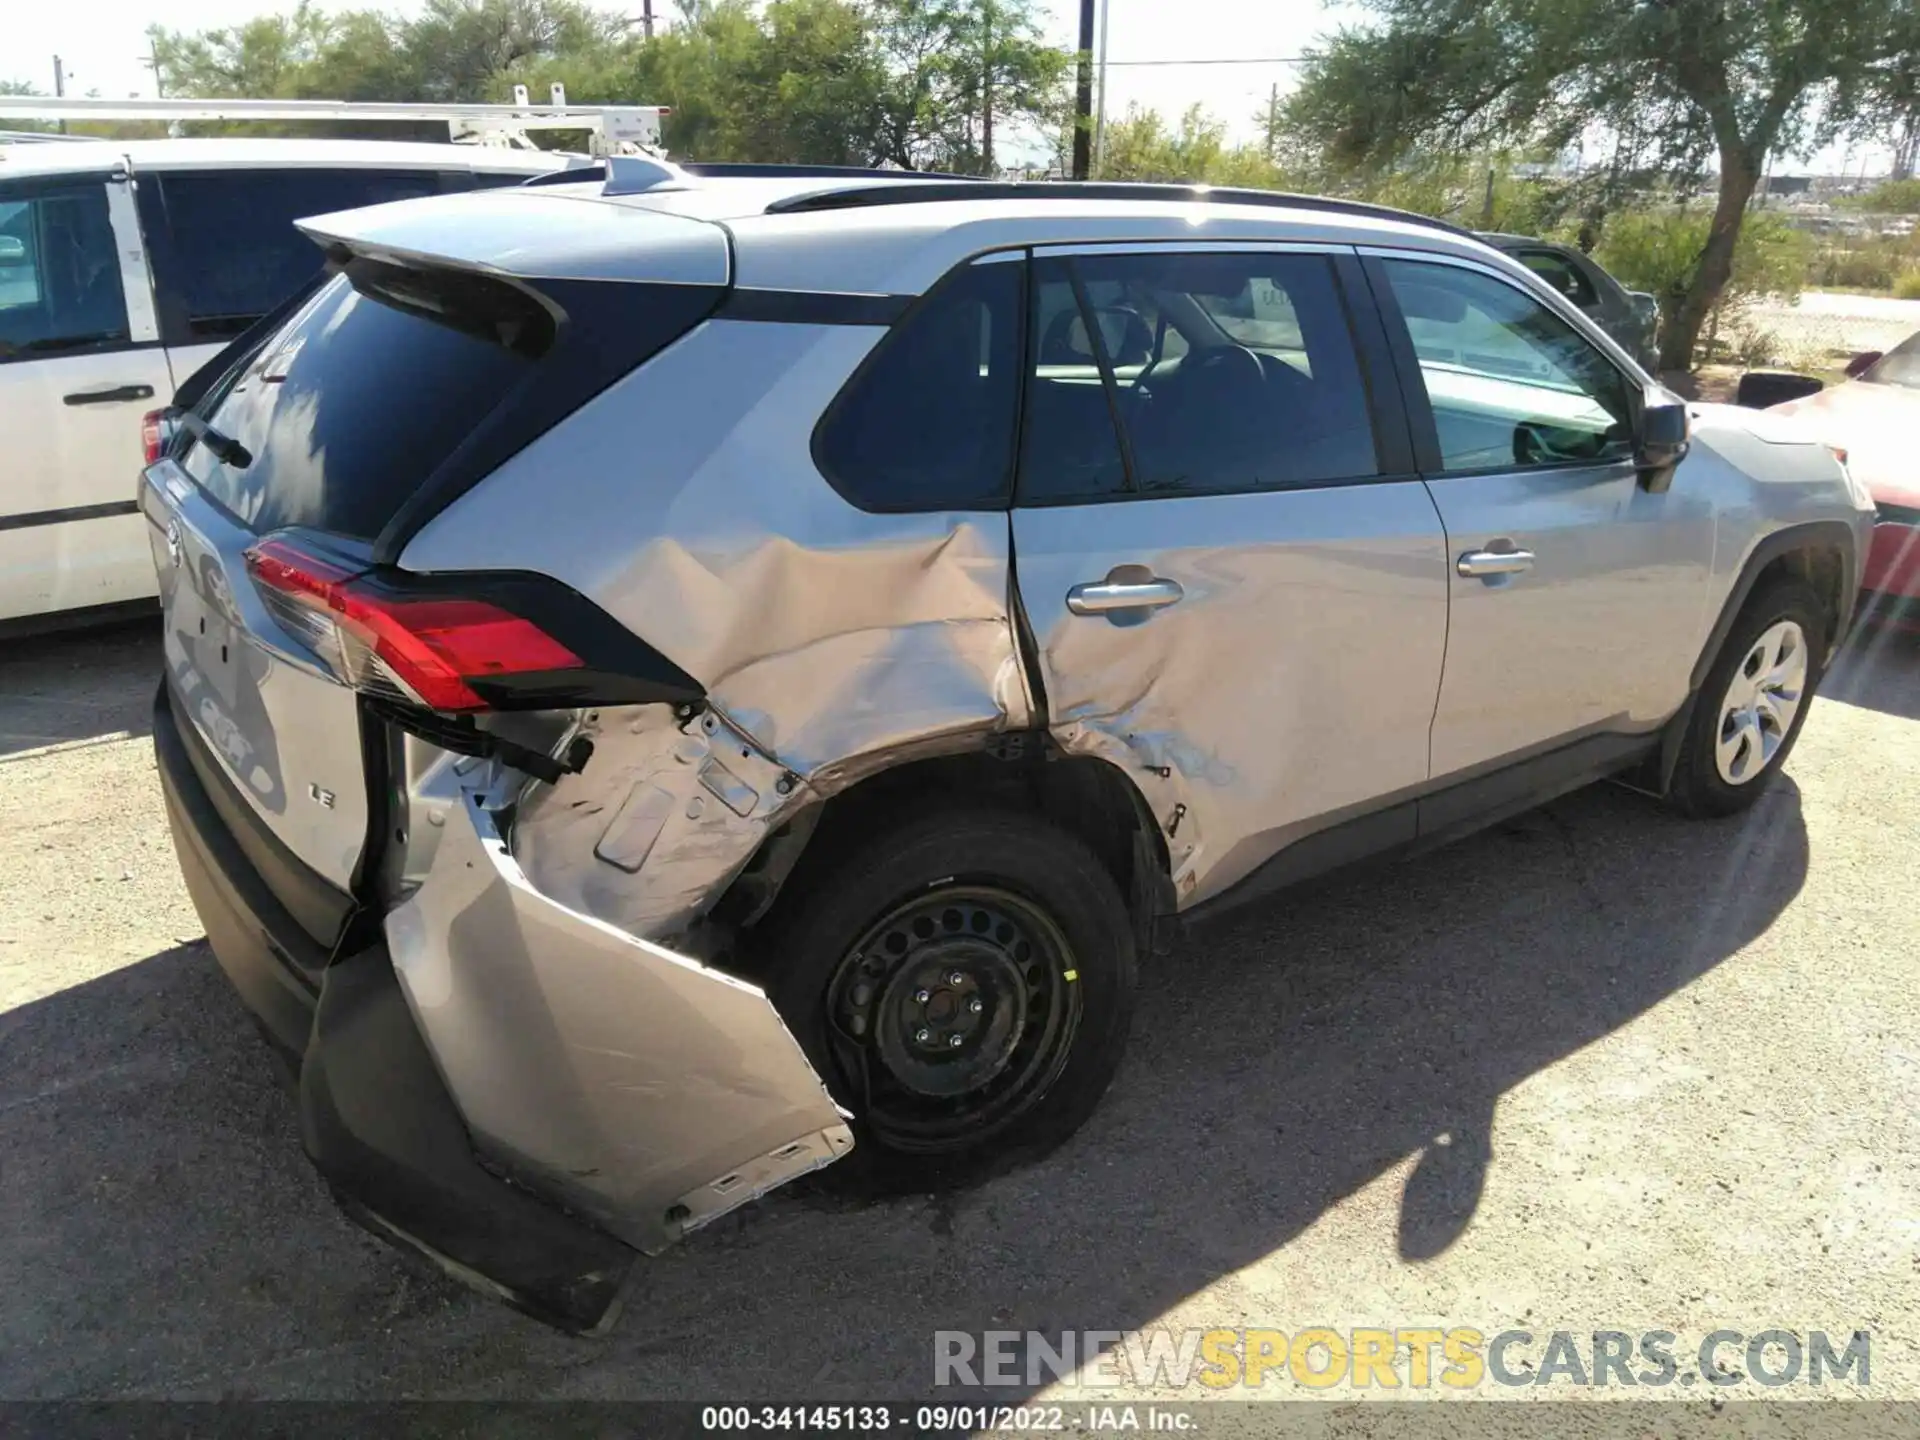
x=125, y=266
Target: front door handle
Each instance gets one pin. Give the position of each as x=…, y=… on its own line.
x=1103, y=597
x=110, y=397
x=1485, y=564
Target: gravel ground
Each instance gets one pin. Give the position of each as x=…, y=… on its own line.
x=1598, y=1068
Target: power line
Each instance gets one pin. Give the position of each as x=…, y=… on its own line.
x=1223, y=60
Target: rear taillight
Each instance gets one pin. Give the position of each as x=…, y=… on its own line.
x=156, y=429
x=424, y=650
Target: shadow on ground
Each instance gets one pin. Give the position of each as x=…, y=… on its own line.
x=1878, y=669
x=162, y=1235
x=77, y=685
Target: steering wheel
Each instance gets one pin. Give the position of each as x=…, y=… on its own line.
x=1233, y=360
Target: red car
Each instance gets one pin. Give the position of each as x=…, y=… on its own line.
x=1875, y=418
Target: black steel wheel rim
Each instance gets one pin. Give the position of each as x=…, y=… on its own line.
x=953, y=1014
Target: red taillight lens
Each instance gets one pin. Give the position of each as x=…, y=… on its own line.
x=154, y=427
x=424, y=650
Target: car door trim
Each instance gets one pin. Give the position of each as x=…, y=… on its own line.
x=33, y=519
x=1211, y=247
x=136, y=276
x=1440, y=810
x=813, y=307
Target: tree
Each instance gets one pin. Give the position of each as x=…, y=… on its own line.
x=953, y=69
x=1735, y=79
x=1142, y=146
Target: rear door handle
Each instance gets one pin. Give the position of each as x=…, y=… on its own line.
x=1103, y=597
x=1484, y=564
x=110, y=397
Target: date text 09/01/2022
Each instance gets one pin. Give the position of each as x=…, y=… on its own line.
x=1013, y=1419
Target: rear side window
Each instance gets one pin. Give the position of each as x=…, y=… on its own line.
x=230, y=252
x=927, y=423
x=59, y=272
x=349, y=409
x=397, y=383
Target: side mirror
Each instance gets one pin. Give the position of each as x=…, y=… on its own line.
x=1661, y=440
x=1861, y=363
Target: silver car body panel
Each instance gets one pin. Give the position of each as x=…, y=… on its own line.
x=287, y=732
x=1333, y=601
x=644, y=1089
x=652, y=1092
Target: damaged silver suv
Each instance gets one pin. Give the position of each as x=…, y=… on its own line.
x=677, y=678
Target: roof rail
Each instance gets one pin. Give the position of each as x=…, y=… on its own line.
x=853, y=198
x=749, y=170
x=36, y=137
x=615, y=129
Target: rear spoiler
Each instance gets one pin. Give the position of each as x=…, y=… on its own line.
x=531, y=235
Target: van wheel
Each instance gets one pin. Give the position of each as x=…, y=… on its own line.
x=964, y=985
x=1755, y=699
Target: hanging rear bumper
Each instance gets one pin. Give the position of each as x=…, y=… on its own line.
x=524, y=1094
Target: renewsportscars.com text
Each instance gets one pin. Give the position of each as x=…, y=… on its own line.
x=1409, y=1357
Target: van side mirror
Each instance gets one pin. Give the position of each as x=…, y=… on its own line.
x=1660, y=440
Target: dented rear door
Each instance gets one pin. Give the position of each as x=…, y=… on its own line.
x=1241, y=605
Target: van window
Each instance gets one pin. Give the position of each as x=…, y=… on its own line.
x=59, y=272
x=231, y=252
x=927, y=422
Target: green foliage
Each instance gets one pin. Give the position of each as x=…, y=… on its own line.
x=1673, y=81
x=1142, y=146
x=1657, y=249
x=1875, y=263
x=911, y=83
x=1890, y=197
x=1907, y=287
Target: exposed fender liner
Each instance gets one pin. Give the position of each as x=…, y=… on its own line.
x=1814, y=535
x=378, y=1124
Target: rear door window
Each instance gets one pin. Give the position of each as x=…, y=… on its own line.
x=60, y=286
x=927, y=422
x=227, y=251
x=1216, y=372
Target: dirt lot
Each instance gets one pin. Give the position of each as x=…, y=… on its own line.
x=1596, y=1069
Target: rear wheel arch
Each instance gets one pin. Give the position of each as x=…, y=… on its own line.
x=1024, y=772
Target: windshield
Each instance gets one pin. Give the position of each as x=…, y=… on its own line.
x=1899, y=366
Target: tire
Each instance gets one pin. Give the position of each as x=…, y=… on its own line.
x=862, y=974
x=1702, y=785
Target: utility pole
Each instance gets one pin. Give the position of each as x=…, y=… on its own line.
x=1083, y=95
x=1273, y=119
x=153, y=64
x=646, y=18
x=1100, y=103
x=986, y=86
x=59, y=86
